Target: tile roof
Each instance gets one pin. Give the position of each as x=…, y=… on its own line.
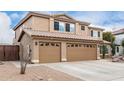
x=106, y=42
x=56, y=34
x=60, y=35
x=118, y=31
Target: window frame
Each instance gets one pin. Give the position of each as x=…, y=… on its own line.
x=56, y=23
x=67, y=27
x=99, y=34
x=91, y=33
x=117, y=49
x=83, y=28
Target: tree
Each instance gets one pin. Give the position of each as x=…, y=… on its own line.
x=23, y=67
x=104, y=48
x=108, y=36
x=122, y=43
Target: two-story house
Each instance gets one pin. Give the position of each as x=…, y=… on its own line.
x=57, y=38
x=119, y=36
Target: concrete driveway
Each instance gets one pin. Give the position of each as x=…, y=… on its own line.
x=91, y=70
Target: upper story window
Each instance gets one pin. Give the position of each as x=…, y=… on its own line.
x=56, y=25
x=64, y=27
x=95, y=33
x=98, y=34
x=67, y=27
x=72, y=27
x=61, y=26
x=83, y=28
x=92, y=33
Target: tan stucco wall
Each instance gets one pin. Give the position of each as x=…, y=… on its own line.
x=35, y=51
x=98, y=38
x=81, y=32
x=26, y=24
x=63, y=51
x=47, y=24
x=41, y=24
x=98, y=51
x=24, y=47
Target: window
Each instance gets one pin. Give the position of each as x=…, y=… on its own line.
x=83, y=28
x=61, y=26
x=92, y=33
x=117, y=49
x=57, y=45
x=87, y=45
x=98, y=34
x=67, y=27
x=95, y=33
x=90, y=46
x=79, y=45
x=41, y=44
x=52, y=44
x=72, y=45
x=76, y=45
x=56, y=25
x=47, y=44
x=72, y=27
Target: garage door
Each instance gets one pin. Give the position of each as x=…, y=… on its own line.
x=78, y=52
x=49, y=52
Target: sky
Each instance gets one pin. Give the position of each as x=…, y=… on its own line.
x=109, y=20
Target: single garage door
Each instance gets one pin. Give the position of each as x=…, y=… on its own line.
x=49, y=52
x=79, y=52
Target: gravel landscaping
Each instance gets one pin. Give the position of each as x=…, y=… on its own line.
x=9, y=72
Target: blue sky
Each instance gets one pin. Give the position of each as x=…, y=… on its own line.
x=108, y=20
x=111, y=19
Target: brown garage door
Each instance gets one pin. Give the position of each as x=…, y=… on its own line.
x=78, y=52
x=49, y=52
x=9, y=53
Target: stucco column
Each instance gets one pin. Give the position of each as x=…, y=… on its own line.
x=51, y=25
x=35, y=52
x=98, y=51
x=63, y=51
x=87, y=30
x=77, y=28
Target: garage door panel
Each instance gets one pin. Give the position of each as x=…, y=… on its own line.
x=81, y=53
x=50, y=53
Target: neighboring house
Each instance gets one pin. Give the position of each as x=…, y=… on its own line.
x=119, y=36
x=57, y=38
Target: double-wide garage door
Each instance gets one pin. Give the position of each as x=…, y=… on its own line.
x=78, y=52
x=49, y=52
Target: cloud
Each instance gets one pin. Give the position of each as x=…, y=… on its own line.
x=14, y=16
x=105, y=19
x=6, y=34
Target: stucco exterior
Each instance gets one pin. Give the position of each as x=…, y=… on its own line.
x=30, y=43
x=119, y=37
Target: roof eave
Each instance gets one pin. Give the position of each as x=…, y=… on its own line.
x=97, y=28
